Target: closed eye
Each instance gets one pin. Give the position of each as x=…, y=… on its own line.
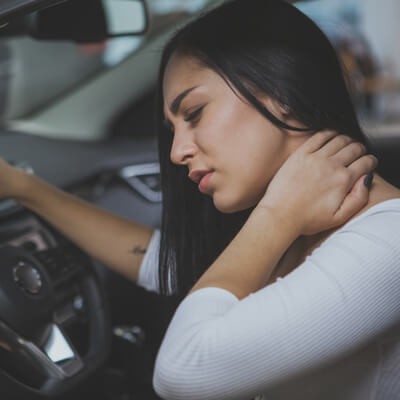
x=193, y=116
x=189, y=117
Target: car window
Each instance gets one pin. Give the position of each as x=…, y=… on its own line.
x=365, y=35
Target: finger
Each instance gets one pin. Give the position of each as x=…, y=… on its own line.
x=362, y=166
x=356, y=199
x=335, y=145
x=349, y=153
x=317, y=140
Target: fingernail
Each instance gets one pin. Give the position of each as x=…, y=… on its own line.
x=368, y=180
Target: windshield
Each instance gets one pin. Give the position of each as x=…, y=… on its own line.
x=35, y=73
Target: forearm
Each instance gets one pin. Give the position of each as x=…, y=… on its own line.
x=116, y=242
x=247, y=263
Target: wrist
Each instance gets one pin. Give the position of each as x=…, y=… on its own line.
x=286, y=221
x=24, y=188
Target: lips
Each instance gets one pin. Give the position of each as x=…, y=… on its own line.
x=203, y=185
x=202, y=178
x=197, y=175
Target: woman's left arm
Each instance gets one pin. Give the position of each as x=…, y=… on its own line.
x=319, y=187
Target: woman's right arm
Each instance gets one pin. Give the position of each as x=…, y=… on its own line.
x=116, y=242
x=341, y=297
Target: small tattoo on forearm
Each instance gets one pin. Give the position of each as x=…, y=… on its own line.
x=138, y=250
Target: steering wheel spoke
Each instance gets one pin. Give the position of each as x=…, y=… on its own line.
x=57, y=360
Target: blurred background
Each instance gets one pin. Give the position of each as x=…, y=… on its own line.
x=364, y=32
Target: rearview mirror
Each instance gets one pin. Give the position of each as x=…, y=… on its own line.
x=83, y=20
x=123, y=17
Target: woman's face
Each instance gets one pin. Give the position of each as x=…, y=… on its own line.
x=231, y=151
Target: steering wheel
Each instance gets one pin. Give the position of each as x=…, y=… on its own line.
x=47, y=299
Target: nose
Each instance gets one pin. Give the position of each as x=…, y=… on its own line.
x=183, y=149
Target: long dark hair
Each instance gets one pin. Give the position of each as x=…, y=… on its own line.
x=263, y=46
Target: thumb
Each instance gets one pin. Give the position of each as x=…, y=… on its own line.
x=356, y=199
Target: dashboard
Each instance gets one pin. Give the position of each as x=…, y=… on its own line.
x=55, y=327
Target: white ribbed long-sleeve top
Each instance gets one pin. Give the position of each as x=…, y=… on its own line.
x=328, y=330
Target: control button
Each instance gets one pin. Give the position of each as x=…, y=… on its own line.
x=132, y=334
x=78, y=303
x=27, y=277
x=30, y=246
x=62, y=263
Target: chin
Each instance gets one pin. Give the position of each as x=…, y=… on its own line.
x=229, y=206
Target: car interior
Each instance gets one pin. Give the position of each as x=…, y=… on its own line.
x=77, y=95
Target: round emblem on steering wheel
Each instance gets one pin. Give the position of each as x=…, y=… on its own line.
x=27, y=277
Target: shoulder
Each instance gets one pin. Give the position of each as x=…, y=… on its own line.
x=362, y=259
x=353, y=278
x=373, y=236
x=379, y=227
x=364, y=255
x=378, y=214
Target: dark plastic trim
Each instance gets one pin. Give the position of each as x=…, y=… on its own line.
x=10, y=9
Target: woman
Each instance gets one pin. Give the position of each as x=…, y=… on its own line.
x=255, y=177
x=300, y=302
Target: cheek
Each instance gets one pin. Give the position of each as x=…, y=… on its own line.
x=246, y=150
x=260, y=154
x=250, y=166
x=225, y=126
x=243, y=183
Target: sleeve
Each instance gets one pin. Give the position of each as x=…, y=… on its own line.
x=148, y=271
x=344, y=294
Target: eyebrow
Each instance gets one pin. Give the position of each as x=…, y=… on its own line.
x=178, y=100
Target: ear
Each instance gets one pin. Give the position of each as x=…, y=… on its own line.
x=282, y=112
